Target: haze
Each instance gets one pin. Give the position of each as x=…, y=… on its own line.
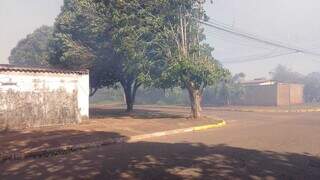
x=292, y=22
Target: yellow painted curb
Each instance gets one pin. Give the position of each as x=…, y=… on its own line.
x=82, y=146
x=177, y=131
x=273, y=110
x=199, y=128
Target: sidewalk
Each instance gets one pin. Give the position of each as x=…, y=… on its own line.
x=269, y=109
x=106, y=123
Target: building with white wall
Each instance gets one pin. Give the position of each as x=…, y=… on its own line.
x=37, y=97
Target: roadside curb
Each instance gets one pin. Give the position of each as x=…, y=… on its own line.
x=177, y=131
x=271, y=111
x=78, y=147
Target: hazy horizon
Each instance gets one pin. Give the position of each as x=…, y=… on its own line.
x=22, y=18
x=268, y=19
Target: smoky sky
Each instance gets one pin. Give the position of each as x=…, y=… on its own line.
x=21, y=17
x=293, y=22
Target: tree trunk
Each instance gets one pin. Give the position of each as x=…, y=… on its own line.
x=130, y=89
x=129, y=103
x=195, y=102
x=127, y=88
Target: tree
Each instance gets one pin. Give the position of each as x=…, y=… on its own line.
x=311, y=82
x=33, y=50
x=226, y=92
x=81, y=40
x=188, y=62
x=312, y=87
x=131, y=30
x=283, y=74
x=106, y=37
x=138, y=41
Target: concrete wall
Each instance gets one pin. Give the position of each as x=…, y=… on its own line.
x=42, y=99
x=279, y=94
x=283, y=94
x=290, y=94
x=261, y=95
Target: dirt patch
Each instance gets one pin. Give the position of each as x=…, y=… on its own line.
x=106, y=122
x=20, y=110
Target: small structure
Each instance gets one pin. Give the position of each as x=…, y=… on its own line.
x=37, y=97
x=262, y=92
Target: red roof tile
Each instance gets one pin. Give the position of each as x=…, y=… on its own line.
x=14, y=68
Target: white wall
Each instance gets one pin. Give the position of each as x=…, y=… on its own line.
x=32, y=82
x=83, y=95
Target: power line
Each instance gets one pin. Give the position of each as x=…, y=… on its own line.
x=247, y=36
x=263, y=57
x=253, y=37
x=247, y=43
x=252, y=56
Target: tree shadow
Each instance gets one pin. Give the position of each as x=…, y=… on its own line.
x=101, y=113
x=150, y=160
x=35, y=140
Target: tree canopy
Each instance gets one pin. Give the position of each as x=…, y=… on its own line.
x=105, y=37
x=187, y=59
x=33, y=50
x=135, y=43
x=283, y=74
x=81, y=39
x=311, y=81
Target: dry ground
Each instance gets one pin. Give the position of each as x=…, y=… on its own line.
x=284, y=146
x=106, y=122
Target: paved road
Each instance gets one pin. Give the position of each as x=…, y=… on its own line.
x=252, y=146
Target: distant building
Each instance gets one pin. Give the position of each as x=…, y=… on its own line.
x=262, y=92
x=37, y=97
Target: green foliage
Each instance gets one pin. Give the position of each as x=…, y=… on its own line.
x=200, y=74
x=174, y=96
x=149, y=96
x=312, y=87
x=187, y=60
x=311, y=82
x=81, y=39
x=109, y=38
x=135, y=43
x=283, y=74
x=225, y=92
x=33, y=50
x=107, y=96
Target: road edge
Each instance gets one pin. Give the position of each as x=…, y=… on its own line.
x=83, y=146
x=221, y=123
x=270, y=111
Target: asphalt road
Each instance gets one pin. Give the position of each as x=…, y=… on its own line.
x=251, y=146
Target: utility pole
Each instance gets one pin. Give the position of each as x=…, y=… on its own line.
x=289, y=85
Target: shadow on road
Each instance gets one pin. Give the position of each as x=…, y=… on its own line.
x=21, y=141
x=150, y=160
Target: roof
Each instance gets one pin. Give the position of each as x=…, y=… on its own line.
x=263, y=82
x=14, y=68
x=259, y=82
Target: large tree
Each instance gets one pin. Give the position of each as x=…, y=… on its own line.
x=81, y=40
x=131, y=31
x=139, y=40
x=188, y=61
x=312, y=87
x=105, y=37
x=33, y=50
x=167, y=36
x=283, y=74
x=311, y=81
